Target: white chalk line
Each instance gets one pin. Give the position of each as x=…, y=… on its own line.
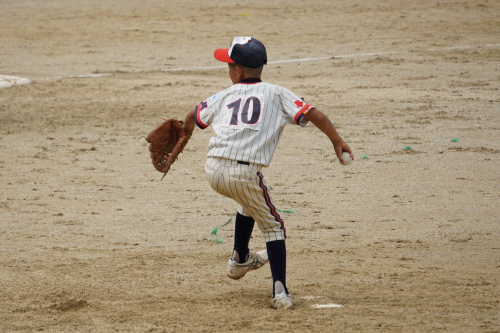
x=354, y=55
x=191, y=68
x=324, y=306
x=71, y=76
x=7, y=81
x=285, y=61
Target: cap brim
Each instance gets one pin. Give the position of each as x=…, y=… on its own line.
x=223, y=55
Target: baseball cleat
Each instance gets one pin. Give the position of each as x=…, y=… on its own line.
x=236, y=271
x=283, y=301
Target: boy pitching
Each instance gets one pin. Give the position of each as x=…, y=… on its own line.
x=248, y=119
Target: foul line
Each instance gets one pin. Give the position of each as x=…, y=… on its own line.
x=354, y=55
x=285, y=61
x=71, y=76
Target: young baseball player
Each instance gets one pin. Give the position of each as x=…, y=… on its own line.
x=248, y=119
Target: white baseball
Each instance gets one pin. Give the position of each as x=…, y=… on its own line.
x=346, y=157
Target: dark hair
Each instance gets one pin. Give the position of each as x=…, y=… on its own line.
x=251, y=72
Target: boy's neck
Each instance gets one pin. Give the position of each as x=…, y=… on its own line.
x=251, y=80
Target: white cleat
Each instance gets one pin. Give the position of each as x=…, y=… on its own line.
x=236, y=271
x=283, y=301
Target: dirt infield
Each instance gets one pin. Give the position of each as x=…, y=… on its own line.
x=406, y=238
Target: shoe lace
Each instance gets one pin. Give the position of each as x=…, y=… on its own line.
x=254, y=257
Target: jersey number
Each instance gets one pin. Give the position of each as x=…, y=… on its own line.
x=248, y=116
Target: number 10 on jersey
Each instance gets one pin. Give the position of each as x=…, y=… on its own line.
x=244, y=112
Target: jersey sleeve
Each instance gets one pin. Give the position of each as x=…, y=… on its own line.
x=296, y=108
x=204, y=112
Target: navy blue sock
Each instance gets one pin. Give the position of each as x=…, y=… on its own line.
x=276, y=251
x=242, y=232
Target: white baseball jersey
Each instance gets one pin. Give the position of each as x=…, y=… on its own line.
x=248, y=119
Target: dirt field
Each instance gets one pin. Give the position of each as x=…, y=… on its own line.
x=406, y=238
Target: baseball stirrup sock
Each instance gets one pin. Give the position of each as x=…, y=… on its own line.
x=242, y=232
x=276, y=251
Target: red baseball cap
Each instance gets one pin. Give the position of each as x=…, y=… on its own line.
x=245, y=51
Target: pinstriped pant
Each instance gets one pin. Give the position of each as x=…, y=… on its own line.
x=245, y=185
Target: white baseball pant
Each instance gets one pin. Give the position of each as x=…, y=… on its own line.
x=245, y=184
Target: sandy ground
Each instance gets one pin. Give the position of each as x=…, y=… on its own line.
x=406, y=238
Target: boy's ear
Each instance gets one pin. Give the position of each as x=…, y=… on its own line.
x=239, y=70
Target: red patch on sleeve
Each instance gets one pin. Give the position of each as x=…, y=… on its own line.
x=299, y=103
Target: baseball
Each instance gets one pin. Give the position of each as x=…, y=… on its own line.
x=346, y=157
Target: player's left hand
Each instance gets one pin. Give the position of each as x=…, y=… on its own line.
x=166, y=142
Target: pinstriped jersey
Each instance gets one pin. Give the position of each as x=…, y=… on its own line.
x=248, y=119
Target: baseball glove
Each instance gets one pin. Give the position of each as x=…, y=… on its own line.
x=166, y=142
